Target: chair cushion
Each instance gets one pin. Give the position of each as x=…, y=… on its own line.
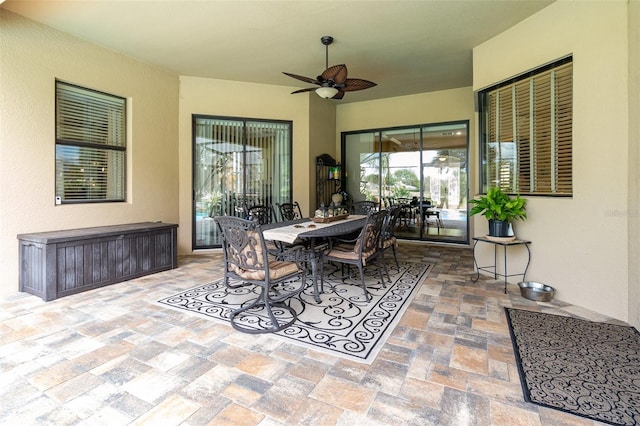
x=255, y=258
x=272, y=247
x=389, y=242
x=349, y=253
x=368, y=231
x=252, y=254
x=277, y=269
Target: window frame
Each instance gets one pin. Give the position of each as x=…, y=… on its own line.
x=531, y=169
x=105, y=149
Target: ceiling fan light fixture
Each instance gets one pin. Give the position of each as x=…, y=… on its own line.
x=326, y=92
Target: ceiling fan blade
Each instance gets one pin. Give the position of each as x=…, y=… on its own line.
x=335, y=73
x=353, y=84
x=308, y=89
x=302, y=78
x=338, y=95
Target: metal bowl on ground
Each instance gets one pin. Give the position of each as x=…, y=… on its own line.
x=536, y=291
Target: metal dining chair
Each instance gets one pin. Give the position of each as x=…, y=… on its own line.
x=387, y=235
x=290, y=211
x=262, y=213
x=247, y=261
x=364, y=207
x=361, y=251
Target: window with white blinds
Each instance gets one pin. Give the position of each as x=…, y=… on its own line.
x=90, y=145
x=526, y=132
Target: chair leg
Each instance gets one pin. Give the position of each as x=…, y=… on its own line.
x=384, y=265
x=384, y=262
x=393, y=247
x=228, y=284
x=263, y=300
x=364, y=286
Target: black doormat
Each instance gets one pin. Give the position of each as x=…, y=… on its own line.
x=586, y=368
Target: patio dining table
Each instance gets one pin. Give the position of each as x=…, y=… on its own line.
x=306, y=229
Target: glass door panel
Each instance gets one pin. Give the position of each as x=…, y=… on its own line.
x=362, y=172
x=445, y=177
x=236, y=164
x=421, y=168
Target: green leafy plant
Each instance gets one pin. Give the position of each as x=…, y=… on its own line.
x=497, y=205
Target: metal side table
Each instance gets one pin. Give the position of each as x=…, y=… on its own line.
x=493, y=268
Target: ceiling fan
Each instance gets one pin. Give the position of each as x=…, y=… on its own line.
x=333, y=81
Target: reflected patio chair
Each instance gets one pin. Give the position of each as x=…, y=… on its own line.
x=389, y=202
x=361, y=251
x=247, y=261
x=290, y=211
x=387, y=235
x=364, y=207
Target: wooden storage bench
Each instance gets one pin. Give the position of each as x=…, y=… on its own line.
x=59, y=263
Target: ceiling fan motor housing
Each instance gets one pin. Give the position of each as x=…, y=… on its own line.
x=326, y=40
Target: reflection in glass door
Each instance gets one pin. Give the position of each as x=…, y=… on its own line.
x=421, y=168
x=236, y=164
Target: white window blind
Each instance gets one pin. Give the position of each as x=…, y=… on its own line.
x=90, y=145
x=526, y=135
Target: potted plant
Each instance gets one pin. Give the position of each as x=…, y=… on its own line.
x=500, y=209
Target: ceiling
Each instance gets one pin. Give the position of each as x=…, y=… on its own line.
x=404, y=46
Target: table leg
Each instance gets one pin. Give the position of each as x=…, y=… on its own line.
x=475, y=262
x=506, y=274
x=495, y=262
x=528, y=261
x=314, y=269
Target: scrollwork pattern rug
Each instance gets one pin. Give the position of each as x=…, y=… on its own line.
x=343, y=324
x=587, y=368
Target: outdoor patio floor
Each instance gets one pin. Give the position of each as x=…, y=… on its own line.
x=112, y=356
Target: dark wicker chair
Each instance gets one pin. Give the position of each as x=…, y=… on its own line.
x=247, y=261
x=360, y=251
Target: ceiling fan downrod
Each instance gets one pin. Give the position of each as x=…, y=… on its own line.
x=326, y=40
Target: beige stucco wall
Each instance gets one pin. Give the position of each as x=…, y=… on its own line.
x=433, y=107
x=235, y=99
x=32, y=56
x=322, y=125
x=580, y=243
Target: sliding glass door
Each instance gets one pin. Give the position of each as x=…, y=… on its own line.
x=237, y=163
x=423, y=168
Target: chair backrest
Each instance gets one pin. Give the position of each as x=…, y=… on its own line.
x=370, y=235
x=364, y=207
x=390, y=223
x=263, y=214
x=290, y=211
x=243, y=245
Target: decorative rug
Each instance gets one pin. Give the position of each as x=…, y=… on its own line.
x=343, y=324
x=586, y=368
